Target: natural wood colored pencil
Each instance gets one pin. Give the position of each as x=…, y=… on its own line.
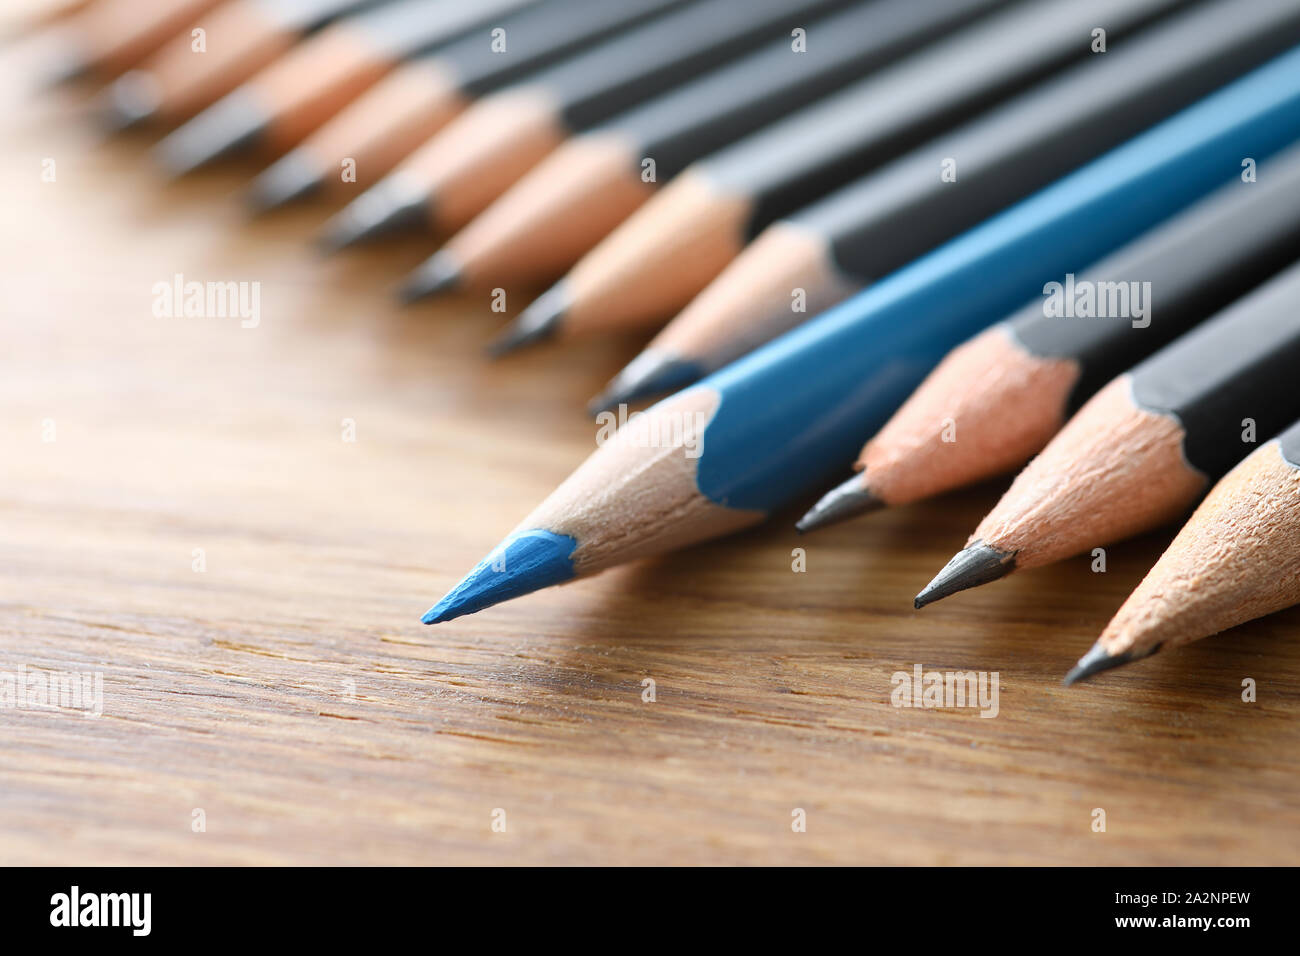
x=866, y=229
x=889, y=114
x=242, y=37
x=1237, y=559
x=580, y=90
x=114, y=35
x=1145, y=447
x=996, y=400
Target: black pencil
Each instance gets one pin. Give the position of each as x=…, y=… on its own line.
x=604, y=172
x=481, y=60
x=242, y=36
x=1145, y=447
x=504, y=134
x=658, y=261
x=1039, y=366
x=111, y=36
x=869, y=228
x=314, y=80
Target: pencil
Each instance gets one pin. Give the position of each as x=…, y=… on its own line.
x=434, y=91
x=1143, y=449
x=1236, y=559
x=242, y=36
x=664, y=255
x=113, y=35
x=749, y=438
x=503, y=135
x=288, y=99
x=398, y=202
x=597, y=178
x=50, y=12
x=996, y=400
x=514, y=240
x=866, y=229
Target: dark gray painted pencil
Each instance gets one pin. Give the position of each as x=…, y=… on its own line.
x=1038, y=367
x=658, y=261
x=872, y=226
x=507, y=132
x=1145, y=447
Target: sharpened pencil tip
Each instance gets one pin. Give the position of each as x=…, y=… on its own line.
x=439, y=273
x=976, y=564
x=221, y=129
x=537, y=322
x=292, y=177
x=64, y=65
x=839, y=504
x=130, y=100
x=1099, y=659
x=394, y=204
x=525, y=562
x=653, y=372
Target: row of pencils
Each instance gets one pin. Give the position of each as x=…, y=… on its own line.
x=985, y=232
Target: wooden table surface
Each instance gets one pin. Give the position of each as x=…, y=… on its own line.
x=290, y=694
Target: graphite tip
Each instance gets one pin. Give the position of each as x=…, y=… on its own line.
x=1099, y=659
x=439, y=273
x=392, y=205
x=130, y=100
x=223, y=128
x=653, y=372
x=292, y=177
x=69, y=62
x=839, y=504
x=539, y=321
x=976, y=564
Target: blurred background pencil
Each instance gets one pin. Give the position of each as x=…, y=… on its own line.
x=726, y=452
x=288, y=99
x=514, y=240
x=502, y=135
x=241, y=37
x=32, y=15
x=1007, y=391
x=416, y=103
x=868, y=228
x=657, y=261
x=597, y=177
x=1236, y=559
x=1144, y=448
x=110, y=36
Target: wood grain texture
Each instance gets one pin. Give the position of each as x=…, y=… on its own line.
x=290, y=692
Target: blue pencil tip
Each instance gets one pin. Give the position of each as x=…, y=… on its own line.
x=523, y=563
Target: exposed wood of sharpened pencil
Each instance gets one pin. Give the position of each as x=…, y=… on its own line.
x=540, y=36
x=783, y=166
x=877, y=223
x=798, y=408
x=114, y=35
x=515, y=237
x=995, y=401
x=49, y=12
x=1236, y=559
x=674, y=129
x=386, y=122
x=596, y=173
x=241, y=37
x=285, y=101
x=699, y=230
x=556, y=101
x=1142, y=450
x=484, y=152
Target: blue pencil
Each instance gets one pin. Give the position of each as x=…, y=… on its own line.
x=748, y=439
